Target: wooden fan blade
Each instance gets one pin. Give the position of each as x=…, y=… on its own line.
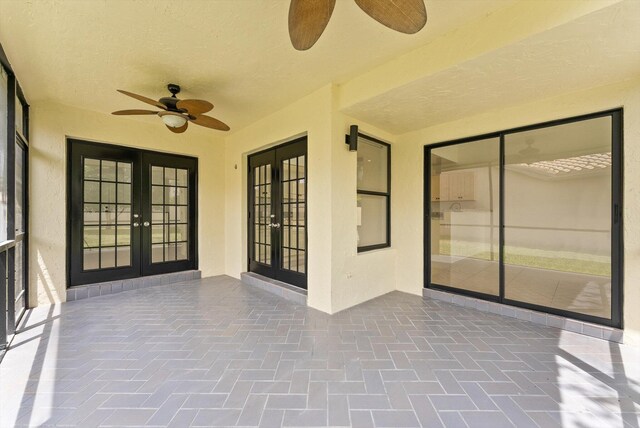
x=194, y=107
x=405, y=16
x=179, y=130
x=136, y=112
x=307, y=21
x=210, y=122
x=143, y=99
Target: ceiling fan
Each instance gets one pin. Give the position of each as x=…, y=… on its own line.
x=176, y=113
x=308, y=18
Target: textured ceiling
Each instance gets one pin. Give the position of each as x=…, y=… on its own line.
x=596, y=49
x=235, y=53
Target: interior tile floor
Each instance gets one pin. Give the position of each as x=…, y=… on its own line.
x=215, y=352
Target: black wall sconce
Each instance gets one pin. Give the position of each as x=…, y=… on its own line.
x=352, y=139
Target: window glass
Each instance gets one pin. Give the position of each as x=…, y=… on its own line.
x=373, y=191
x=19, y=116
x=372, y=166
x=4, y=88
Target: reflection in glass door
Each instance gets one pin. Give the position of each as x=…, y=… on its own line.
x=464, y=216
x=558, y=217
x=531, y=217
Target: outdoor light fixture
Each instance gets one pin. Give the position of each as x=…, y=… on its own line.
x=352, y=138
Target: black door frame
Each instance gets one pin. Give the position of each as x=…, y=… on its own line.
x=140, y=198
x=274, y=156
x=617, y=241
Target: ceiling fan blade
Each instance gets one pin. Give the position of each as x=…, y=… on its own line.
x=307, y=21
x=405, y=16
x=135, y=112
x=143, y=99
x=179, y=130
x=210, y=122
x=194, y=107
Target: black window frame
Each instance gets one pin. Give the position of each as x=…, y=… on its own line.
x=15, y=138
x=617, y=227
x=387, y=194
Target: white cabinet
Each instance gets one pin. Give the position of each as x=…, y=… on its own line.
x=453, y=186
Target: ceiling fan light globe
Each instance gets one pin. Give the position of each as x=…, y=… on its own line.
x=174, y=121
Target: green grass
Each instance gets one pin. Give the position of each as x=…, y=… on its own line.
x=564, y=261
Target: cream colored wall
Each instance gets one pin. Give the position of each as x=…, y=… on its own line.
x=356, y=277
x=337, y=276
x=408, y=168
x=50, y=125
x=310, y=115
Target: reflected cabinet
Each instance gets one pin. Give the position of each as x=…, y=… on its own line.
x=530, y=217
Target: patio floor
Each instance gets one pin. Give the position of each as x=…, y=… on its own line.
x=215, y=352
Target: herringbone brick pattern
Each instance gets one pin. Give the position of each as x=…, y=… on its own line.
x=215, y=352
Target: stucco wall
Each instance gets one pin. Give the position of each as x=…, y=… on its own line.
x=338, y=277
x=408, y=178
x=50, y=125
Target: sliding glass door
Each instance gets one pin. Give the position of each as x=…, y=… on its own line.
x=464, y=216
x=557, y=216
x=530, y=217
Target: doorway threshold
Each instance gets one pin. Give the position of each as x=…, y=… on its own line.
x=279, y=288
x=79, y=292
x=563, y=323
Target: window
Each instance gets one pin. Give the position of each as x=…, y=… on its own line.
x=374, y=193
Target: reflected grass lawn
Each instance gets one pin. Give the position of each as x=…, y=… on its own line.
x=564, y=261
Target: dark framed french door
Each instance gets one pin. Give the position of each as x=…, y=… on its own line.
x=131, y=212
x=530, y=217
x=277, y=220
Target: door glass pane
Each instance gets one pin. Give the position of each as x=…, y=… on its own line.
x=293, y=207
x=262, y=214
x=558, y=217
x=108, y=170
x=169, y=214
x=464, y=213
x=107, y=203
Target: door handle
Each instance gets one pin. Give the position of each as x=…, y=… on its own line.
x=274, y=225
x=136, y=224
x=145, y=224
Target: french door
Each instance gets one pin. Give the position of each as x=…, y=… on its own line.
x=131, y=213
x=277, y=213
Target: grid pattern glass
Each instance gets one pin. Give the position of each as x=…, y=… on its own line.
x=169, y=214
x=107, y=214
x=262, y=216
x=293, y=214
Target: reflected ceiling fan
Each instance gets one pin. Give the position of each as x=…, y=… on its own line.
x=308, y=18
x=176, y=113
